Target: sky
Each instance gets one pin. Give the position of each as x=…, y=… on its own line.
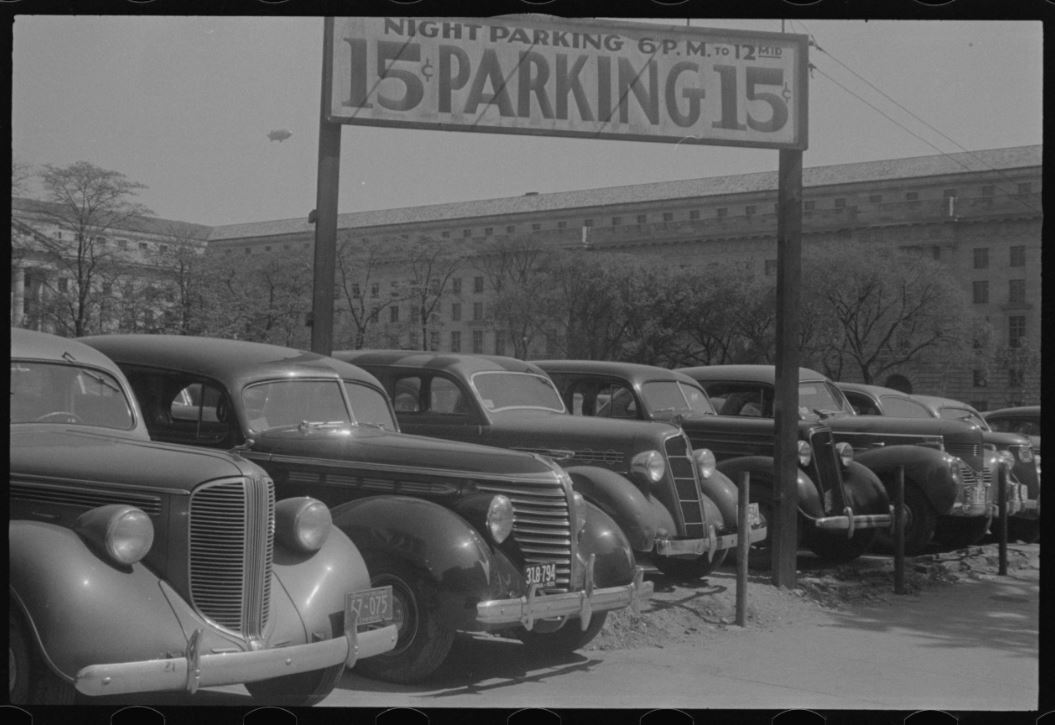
x=184, y=105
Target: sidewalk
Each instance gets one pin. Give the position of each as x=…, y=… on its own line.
x=972, y=645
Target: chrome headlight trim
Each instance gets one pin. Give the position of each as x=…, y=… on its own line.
x=845, y=452
x=302, y=524
x=500, y=517
x=123, y=533
x=650, y=465
x=706, y=463
x=805, y=451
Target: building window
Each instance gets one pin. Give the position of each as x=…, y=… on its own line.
x=266, y=248
x=981, y=257
x=987, y=191
x=771, y=267
x=617, y=220
x=721, y=212
x=375, y=290
x=642, y=218
x=478, y=342
x=1016, y=291
x=248, y=250
x=1025, y=188
x=478, y=284
x=536, y=227
x=122, y=243
x=456, y=311
x=694, y=214
x=356, y=292
x=445, y=234
x=749, y=210
x=510, y=228
x=587, y=222
x=456, y=285
x=1018, y=256
x=64, y=285
x=875, y=198
x=434, y=340
x=478, y=311
x=981, y=378
x=840, y=203
x=809, y=205
x=980, y=290
x=668, y=216
x=562, y=225
x=467, y=232
x=1016, y=378
x=911, y=196
x=949, y=194
x=500, y=342
x=456, y=341
x=1016, y=330
x=393, y=313
x=488, y=231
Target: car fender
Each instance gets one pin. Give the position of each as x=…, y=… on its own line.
x=721, y=493
x=763, y=478
x=318, y=583
x=430, y=539
x=865, y=492
x=636, y=514
x=930, y=470
x=81, y=609
x=601, y=536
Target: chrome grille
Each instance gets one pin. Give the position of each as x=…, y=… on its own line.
x=971, y=453
x=825, y=470
x=541, y=522
x=232, y=525
x=686, y=486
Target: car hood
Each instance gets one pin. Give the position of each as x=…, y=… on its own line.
x=373, y=446
x=57, y=452
x=950, y=430
x=569, y=431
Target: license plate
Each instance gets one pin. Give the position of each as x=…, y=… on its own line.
x=543, y=574
x=753, y=518
x=371, y=605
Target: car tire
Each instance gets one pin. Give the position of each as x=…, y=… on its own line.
x=422, y=643
x=836, y=548
x=957, y=532
x=568, y=638
x=682, y=569
x=921, y=522
x=301, y=690
x=30, y=681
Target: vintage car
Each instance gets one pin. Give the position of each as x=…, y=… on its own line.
x=1024, y=493
x=470, y=538
x=948, y=473
x=828, y=482
x=1021, y=419
x=143, y=567
x=670, y=501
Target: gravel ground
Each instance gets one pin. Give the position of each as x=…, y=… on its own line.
x=685, y=612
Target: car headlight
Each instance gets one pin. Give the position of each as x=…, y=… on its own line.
x=124, y=533
x=845, y=451
x=1025, y=454
x=500, y=518
x=705, y=462
x=1007, y=458
x=649, y=464
x=805, y=454
x=302, y=524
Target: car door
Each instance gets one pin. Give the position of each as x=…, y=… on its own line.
x=434, y=404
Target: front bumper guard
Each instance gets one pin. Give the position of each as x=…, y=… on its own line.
x=526, y=609
x=195, y=669
x=851, y=522
x=713, y=543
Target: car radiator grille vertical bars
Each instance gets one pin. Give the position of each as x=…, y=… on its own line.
x=231, y=551
x=686, y=486
x=541, y=523
x=825, y=466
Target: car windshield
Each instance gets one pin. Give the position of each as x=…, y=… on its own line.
x=669, y=398
x=963, y=414
x=62, y=393
x=500, y=391
x=820, y=399
x=313, y=404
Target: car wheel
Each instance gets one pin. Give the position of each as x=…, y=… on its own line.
x=689, y=569
x=956, y=532
x=568, y=638
x=29, y=679
x=422, y=642
x=836, y=548
x=920, y=523
x=301, y=690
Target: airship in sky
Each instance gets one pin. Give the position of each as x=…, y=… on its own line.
x=279, y=134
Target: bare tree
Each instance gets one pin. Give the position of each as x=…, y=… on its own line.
x=88, y=202
x=360, y=270
x=182, y=259
x=430, y=265
x=511, y=270
x=21, y=173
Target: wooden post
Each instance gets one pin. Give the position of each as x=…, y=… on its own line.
x=786, y=408
x=1001, y=502
x=899, y=532
x=743, y=546
x=325, y=208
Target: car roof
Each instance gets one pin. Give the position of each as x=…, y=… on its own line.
x=937, y=401
x=874, y=390
x=634, y=372
x=236, y=362
x=1015, y=411
x=462, y=363
x=33, y=345
x=751, y=373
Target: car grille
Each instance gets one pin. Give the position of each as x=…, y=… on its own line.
x=971, y=453
x=541, y=523
x=232, y=525
x=825, y=467
x=685, y=485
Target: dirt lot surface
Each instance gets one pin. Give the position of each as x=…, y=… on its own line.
x=684, y=612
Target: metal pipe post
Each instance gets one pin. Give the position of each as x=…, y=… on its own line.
x=743, y=546
x=899, y=531
x=1001, y=507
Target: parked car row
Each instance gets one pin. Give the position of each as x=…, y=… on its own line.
x=270, y=517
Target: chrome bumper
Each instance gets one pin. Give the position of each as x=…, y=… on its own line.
x=850, y=522
x=525, y=610
x=713, y=543
x=196, y=670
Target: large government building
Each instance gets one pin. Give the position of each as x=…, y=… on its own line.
x=978, y=212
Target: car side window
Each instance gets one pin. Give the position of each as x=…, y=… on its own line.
x=406, y=394
x=179, y=409
x=862, y=404
x=446, y=397
x=616, y=401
